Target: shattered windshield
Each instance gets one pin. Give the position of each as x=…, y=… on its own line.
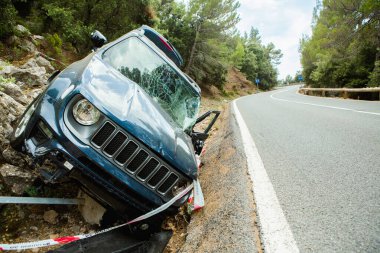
x=134, y=59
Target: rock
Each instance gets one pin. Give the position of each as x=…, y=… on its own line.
x=33, y=228
x=32, y=77
x=41, y=61
x=51, y=216
x=22, y=30
x=53, y=236
x=14, y=91
x=13, y=40
x=75, y=229
x=10, y=110
x=37, y=37
x=32, y=73
x=15, y=158
x=16, y=179
x=38, y=61
x=28, y=46
x=91, y=210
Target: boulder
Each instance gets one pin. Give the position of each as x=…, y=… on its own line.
x=13, y=90
x=10, y=110
x=91, y=210
x=51, y=217
x=15, y=158
x=16, y=179
x=33, y=76
x=38, y=61
x=22, y=30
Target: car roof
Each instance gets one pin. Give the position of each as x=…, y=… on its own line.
x=164, y=44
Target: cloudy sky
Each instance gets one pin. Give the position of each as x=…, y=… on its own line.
x=279, y=21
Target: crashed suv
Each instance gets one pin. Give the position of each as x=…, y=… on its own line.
x=120, y=121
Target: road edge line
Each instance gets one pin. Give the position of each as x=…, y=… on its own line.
x=275, y=231
x=319, y=105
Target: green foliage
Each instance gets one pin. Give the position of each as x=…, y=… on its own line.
x=203, y=32
x=238, y=54
x=7, y=18
x=289, y=79
x=375, y=76
x=32, y=191
x=5, y=81
x=55, y=42
x=212, y=22
x=343, y=48
x=259, y=61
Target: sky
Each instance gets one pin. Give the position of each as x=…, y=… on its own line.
x=279, y=21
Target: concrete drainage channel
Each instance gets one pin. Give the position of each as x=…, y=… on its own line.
x=228, y=222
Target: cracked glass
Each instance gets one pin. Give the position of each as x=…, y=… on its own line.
x=135, y=60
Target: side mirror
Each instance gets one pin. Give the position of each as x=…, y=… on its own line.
x=198, y=138
x=98, y=39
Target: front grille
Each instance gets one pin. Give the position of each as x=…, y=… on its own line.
x=102, y=135
x=114, y=144
x=160, y=174
x=137, y=161
x=147, y=169
x=133, y=157
x=126, y=152
x=169, y=182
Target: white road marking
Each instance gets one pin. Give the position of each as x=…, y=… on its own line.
x=275, y=231
x=319, y=105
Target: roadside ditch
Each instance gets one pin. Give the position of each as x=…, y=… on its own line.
x=228, y=222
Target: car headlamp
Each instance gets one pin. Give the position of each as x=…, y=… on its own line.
x=85, y=113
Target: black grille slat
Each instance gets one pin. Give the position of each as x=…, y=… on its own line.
x=126, y=152
x=115, y=144
x=165, y=186
x=158, y=176
x=137, y=161
x=133, y=157
x=103, y=134
x=147, y=169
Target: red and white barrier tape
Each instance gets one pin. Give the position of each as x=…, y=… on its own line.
x=67, y=239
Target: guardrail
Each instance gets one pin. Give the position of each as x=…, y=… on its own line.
x=373, y=93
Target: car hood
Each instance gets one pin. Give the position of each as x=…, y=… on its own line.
x=127, y=104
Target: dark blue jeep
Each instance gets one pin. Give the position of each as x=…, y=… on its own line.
x=120, y=121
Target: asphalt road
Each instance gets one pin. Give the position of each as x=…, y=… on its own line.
x=322, y=156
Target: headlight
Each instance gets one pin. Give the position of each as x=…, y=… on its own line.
x=85, y=113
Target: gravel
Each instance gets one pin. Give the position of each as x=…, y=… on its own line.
x=228, y=221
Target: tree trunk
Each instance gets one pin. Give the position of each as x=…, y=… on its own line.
x=193, y=48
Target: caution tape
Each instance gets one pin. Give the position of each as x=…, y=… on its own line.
x=67, y=239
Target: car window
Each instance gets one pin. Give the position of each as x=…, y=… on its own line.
x=135, y=60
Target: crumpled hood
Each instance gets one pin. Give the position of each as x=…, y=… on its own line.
x=126, y=103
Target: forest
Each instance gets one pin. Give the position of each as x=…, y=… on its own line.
x=344, y=49
x=204, y=32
